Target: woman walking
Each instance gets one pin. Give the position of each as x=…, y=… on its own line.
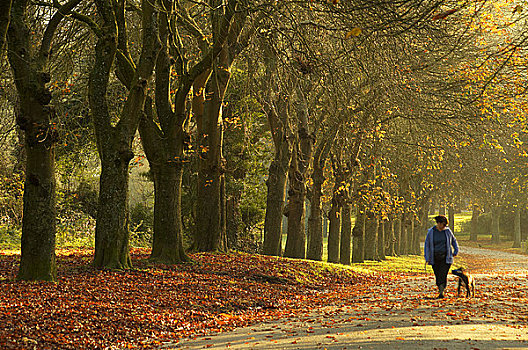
x=438, y=252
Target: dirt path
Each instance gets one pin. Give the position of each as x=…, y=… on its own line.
x=404, y=315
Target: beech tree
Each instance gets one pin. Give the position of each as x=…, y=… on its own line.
x=35, y=119
x=114, y=139
x=210, y=206
x=276, y=105
x=164, y=127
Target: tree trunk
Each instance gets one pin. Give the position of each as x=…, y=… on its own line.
x=417, y=234
x=410, y=234
x=389, y=233
x=451, y=218
x=404, y=230
x=209, y=232
x=325, y=227
x=358, y=253
x=295, y=240
x=474, y=223
x=111, y=230
x=346, y=235
x=276, y=183
x=423, y=227
x=315, y=220
x=397, y=236
x=34, y=117
x=37, y=260
x=517, y=228
x=276, y=107
x=334, y=236
x=371, y=233
x=234, y=220
x=301, y=155
x=223, y=206
x=114, y=141
x=495, y=224
x=167, y=245
x=381, y=240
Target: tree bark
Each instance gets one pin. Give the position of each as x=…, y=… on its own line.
x=371, y=233
x=417, y=234
x=111, y=230
x=34, y=117
x=302, y=153
x=389, y=233
x=451, y=217
x=167, y=245
x=495, y=224
x=234, y=220
x=211, y=168
x=346, y=235
x=397, y=235
x=315, y=220
x=474, y=223
x=276, y=183
x=358, y=243
x=381, y=240
x=210, y=207
x=295, y=240
x=114, y=142
x=275, y=105
x=37, y=260
x=517, y=228
x=423, y=226
x=166, y=138
x=334, y=235
x=404, y=230
x=411, y=231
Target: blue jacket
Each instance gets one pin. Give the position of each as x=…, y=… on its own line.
x=429, y=246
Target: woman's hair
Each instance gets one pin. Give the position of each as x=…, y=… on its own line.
x=441, y=219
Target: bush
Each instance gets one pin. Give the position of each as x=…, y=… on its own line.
x=75, y=229
x=11, y=193
x=141, y=224
x=10, y=237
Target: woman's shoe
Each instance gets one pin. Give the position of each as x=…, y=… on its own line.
x=441, y=289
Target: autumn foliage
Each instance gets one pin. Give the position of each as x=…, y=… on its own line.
x=147, y=305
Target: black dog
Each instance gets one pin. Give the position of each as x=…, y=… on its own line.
x=467, y=280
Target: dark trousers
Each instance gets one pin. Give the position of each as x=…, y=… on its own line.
x=441, y=269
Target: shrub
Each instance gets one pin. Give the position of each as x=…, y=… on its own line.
x=141, y=224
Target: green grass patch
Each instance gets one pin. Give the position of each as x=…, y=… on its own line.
x=399, y=264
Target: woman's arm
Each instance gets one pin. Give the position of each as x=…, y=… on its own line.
x=426, y=245
x=454, y=243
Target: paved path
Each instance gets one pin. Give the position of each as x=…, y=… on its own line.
x=404, y=315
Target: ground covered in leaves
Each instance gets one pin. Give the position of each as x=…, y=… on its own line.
x=369, y=305
x=403, y=313
x=150, y=304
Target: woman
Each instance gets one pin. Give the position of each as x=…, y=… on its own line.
x=438, y=252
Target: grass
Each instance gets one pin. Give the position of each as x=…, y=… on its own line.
x=484, y=241
x=404, y=264
x=399, y=264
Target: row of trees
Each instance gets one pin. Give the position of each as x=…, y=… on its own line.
x=372, y=107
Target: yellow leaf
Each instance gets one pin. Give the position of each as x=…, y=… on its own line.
x=354, y=32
